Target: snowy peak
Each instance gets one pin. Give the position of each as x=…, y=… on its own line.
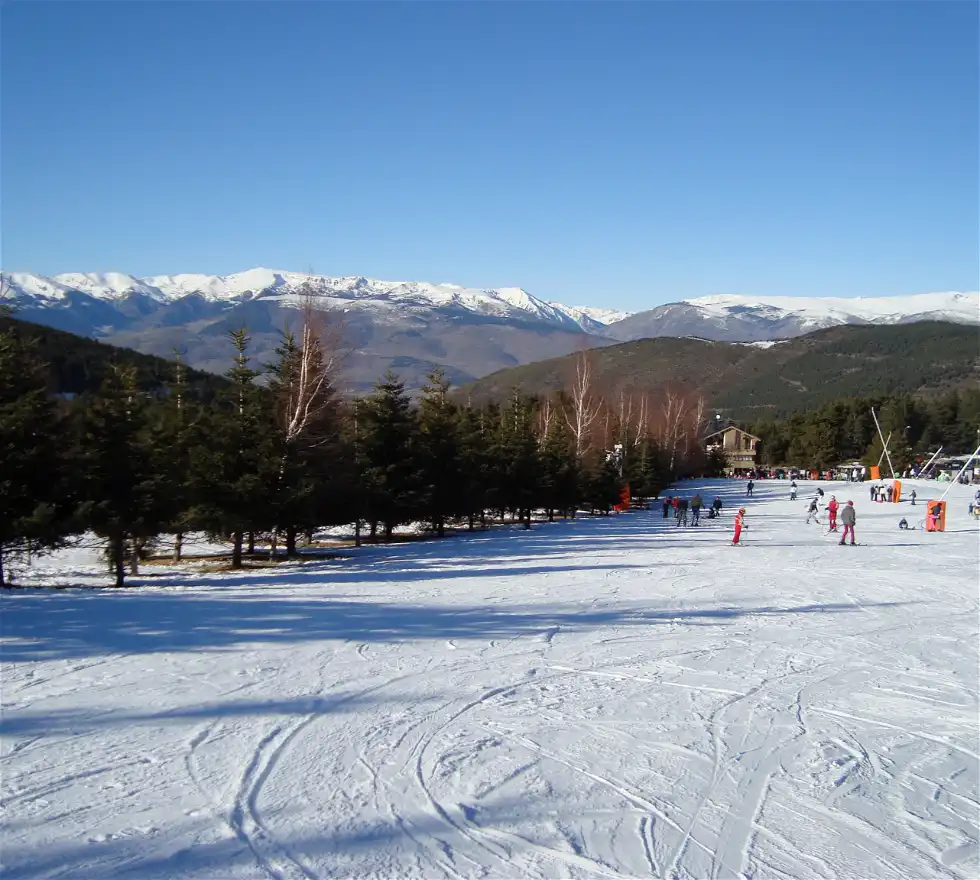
x=288, y=287
x=950, y=306
x=738, y=318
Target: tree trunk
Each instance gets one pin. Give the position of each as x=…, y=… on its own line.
x=236, y=550
x=3, y=583
x=551, y=514
x=440, y=527
x=251, y=543
x=309, y=538
x=527, y=519
x=389, y=528
x=117, y=552
x=357, y=533
x=373, y=530
x=134, y=557
x=291, y=541
x=471, y=522
x=178, y=546
x=273, y=544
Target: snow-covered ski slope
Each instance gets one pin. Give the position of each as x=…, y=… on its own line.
x=603, y=698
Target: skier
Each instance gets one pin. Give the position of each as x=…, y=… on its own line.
x=848, y=518
x=681, y=512
x=813, y=512
x=739, y=525
x=832, y=506
x=874, y=491
x=903, y=523
x=666, y=505
x=749, y=488
x=792, y=491
x=912, y=496
x=716, y=504
x=696, y=504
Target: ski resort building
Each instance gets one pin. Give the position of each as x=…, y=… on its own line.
x=740, y=448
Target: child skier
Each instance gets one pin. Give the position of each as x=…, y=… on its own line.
x=792, y=491
x=813, y=512
x=739, y=525
x=832, y=506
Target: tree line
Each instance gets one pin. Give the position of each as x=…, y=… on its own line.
x=277, y=451
x=844, y=430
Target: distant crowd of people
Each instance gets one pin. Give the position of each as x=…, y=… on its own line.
x=679, y=507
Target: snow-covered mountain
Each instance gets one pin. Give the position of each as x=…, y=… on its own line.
x=737, y=318
x=407, y=325
x=287, y=287
x=412, y=325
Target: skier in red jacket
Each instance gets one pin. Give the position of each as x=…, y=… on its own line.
x=832, y=506
x=739, y=525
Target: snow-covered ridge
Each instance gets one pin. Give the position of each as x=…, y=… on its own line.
x=721, y=316
x=287, y=286
x=961, y=307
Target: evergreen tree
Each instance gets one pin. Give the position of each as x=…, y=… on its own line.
x=34, y=495
x=123, y=495
x=474, y=439
x=440, y=464
x=387, y=446
x=515, y=463
x=559, y=472
x=234, y=475
x=175, y=431
x=601, y=482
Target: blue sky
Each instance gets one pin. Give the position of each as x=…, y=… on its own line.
x=595, y=153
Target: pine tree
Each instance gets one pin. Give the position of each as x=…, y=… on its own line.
x=122, y=493
x=439, y=452
x=388, y=449
x=515, y=463
x=34, y=495
x=601, y=482
x=559, y=474
x=234, y=475
x=175, y=431
x=474, y=439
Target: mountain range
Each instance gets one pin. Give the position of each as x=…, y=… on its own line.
x=413, y=326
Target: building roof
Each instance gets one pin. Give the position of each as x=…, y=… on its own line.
x=730, y=428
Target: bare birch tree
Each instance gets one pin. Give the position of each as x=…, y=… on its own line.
x=674, y=411
x=585, y=406
x=305, y=389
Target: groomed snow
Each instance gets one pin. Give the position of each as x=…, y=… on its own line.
x=610, y=697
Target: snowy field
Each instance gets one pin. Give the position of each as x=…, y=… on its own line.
x=612, y=697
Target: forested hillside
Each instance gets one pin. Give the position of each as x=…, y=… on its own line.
x=770, y=380
x=78, y=365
